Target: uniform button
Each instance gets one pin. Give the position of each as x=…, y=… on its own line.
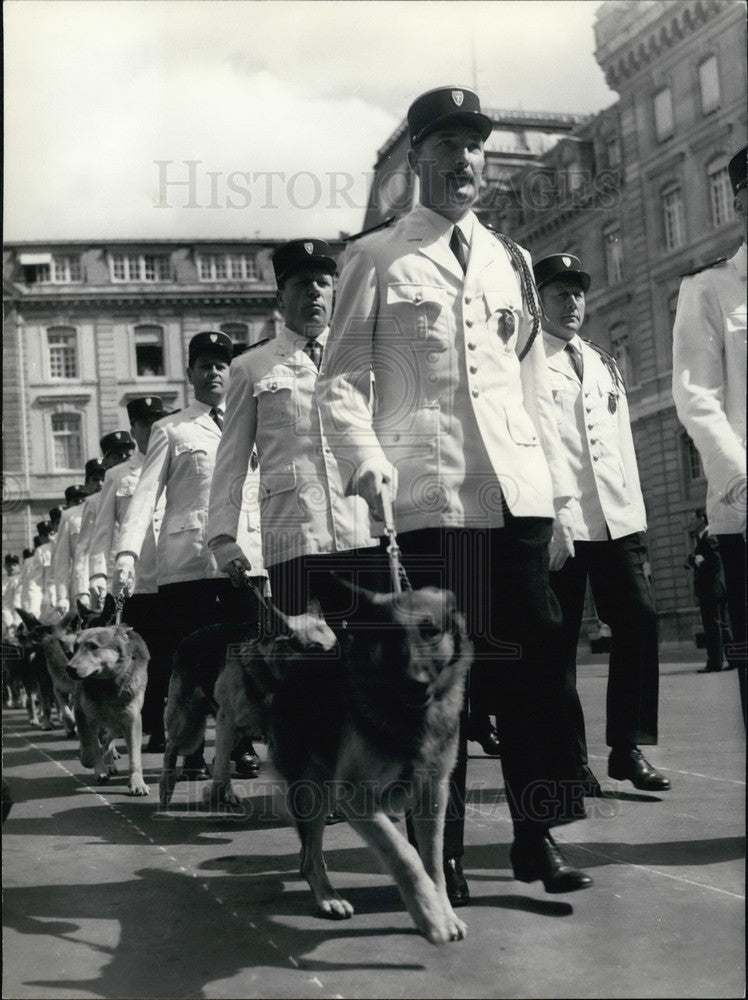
x=395, y=437
x=417, y=297
x=473, y=370
x=593, y=440
x=471, y=346
x=468, y=322
x=432, y=378
x=468, y=300
x=328, y=451
x=590, y=426
x=594, y=458
x=476, y=393
x=588, y=409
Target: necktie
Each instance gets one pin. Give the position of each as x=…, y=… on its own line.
x=458, y=249
x=576, y=361
x=314, y=349
x=215, y=416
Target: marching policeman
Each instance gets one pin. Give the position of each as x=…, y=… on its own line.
x=192, y=590
x=116, y=448
x=305, y=515
x=70, y=526
x=443, y=314
x=609, y=525
x=709, y=389
x=142, y=608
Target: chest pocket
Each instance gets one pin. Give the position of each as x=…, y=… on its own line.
x=418, y=311
x=193, y=459
x=276, y=404
x=503, y=315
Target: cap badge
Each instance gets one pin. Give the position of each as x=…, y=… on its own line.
x=458, y=97
x=309, y=247
x=148, y=400
x=567, y=261
x=213, y=338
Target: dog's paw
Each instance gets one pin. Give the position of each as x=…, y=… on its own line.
x=335, y=908
x=218, y=795
x=138, y=786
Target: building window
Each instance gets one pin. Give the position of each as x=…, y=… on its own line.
x=692, y=466
x=663, y=112
x=239, y=333
x=709, y=82
x=59, y=269
x=140, y=267
x=613, y=152
x=63, y=352
x=227, y=267
x=67, y=440
x=672, y=218
x=613, y=254
x=720, y=191
x=621, y=351
x=149, y=351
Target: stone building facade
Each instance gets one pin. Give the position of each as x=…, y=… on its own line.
x=640, y=192
x=92, y=325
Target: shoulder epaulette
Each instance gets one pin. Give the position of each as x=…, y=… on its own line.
x=373, y=229
x=703, y=267
x=609, y=361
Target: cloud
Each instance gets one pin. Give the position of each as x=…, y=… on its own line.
x=96, y=92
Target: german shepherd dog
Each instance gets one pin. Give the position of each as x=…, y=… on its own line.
x=111, y=665
x=381, y=740
x=31, y=670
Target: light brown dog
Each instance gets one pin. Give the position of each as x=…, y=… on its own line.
x=111, y=664
x=368, y=729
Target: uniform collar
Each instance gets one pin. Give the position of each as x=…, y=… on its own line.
x=298, y=340
x=554, y=345
x=205, y=408
x=444, y=227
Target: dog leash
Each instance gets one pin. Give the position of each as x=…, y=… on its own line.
x=399, y=577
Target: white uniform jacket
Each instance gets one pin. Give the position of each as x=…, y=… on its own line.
x=271, y=404
x=116, y=493
x=11, y=583
x=180, y=459
x=455, y=411
x=709, y=381
x=80, y=575
x=33, y=579
x=595, y=429
x=62, y=560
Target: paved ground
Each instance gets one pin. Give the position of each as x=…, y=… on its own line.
x=105, y=897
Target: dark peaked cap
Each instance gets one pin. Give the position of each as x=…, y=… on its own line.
x=560, y=265
x=443, y=107
x=302, y=255
x=146, y=408
x=210, y=342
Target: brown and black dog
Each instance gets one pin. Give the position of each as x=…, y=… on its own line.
x=368, y=729
x=110, y=664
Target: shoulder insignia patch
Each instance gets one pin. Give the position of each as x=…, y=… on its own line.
x=372, y=229
x=703, y=267
x=610, y=363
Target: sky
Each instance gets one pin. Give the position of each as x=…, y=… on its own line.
x=279, y=106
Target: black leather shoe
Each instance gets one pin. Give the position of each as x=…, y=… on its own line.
x=709, y=670
x=630, y=764
x=538, y=858
x=247, y=764
x=194, y=768
x=589, y=783
x=457, y=887
x=332, y=818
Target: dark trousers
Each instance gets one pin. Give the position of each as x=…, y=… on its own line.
x=186, y=607
x=715, y=623
x=500, y=579
x=732, y=549
x=141, y=612
x=623, y=599
x=299, y=585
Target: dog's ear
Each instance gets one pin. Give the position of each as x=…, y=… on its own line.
x=30, y=621
x=109, y=611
